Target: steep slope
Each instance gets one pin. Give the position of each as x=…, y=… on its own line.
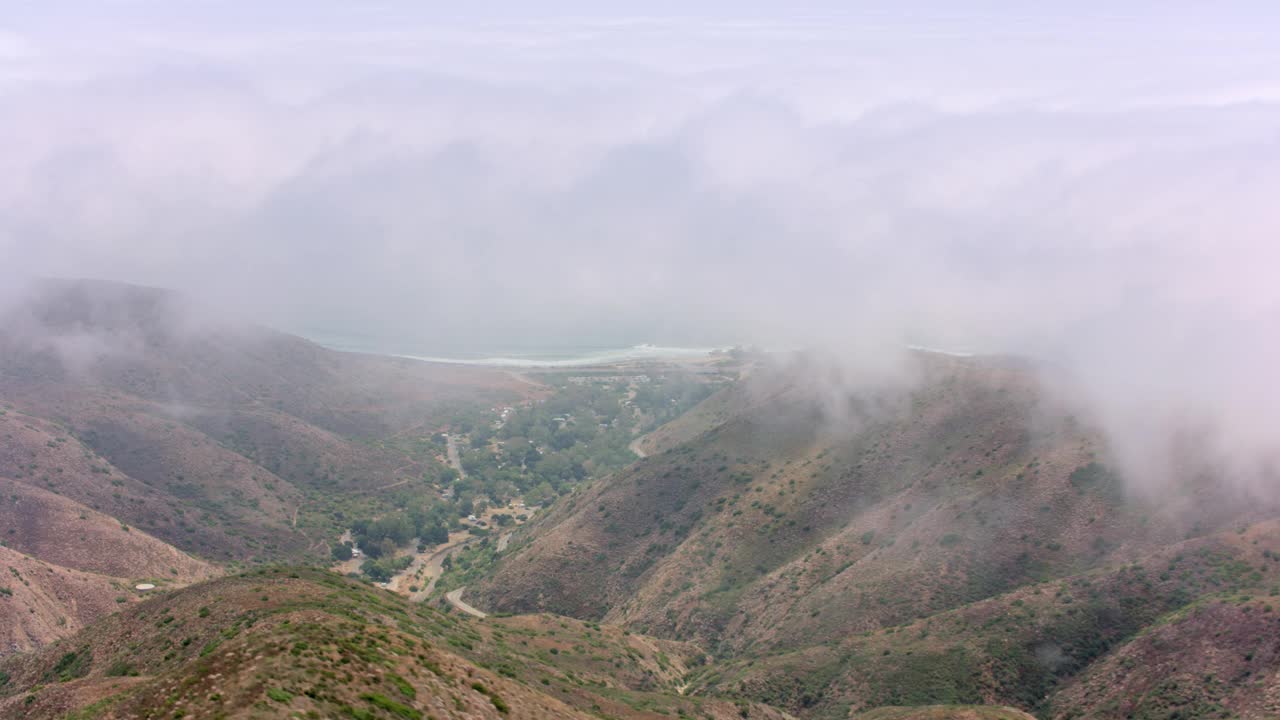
x=1047, y=647
x=944, y=712
x=783, y=526
x=62, y=532
x=154, y=345
x=208, y=432
x=40, y=602
x=306, y=642
x=143, y=437
x=807, y=518
x=179, y=485
x=1218, y=656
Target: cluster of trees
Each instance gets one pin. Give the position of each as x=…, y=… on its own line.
x=668, y=398
x=381, y=537
x=540, y=451
x=581, y=431
x=385, y=568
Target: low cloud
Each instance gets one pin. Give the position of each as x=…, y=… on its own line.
x=1087, y=196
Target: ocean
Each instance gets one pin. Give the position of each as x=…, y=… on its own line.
x=553, y=356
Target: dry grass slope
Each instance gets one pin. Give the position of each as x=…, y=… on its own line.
x=965, y=543
x=285, y=641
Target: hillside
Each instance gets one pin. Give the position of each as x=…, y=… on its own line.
x=797, y=524
x=944, y=712
x=143, y=436
x=40, y=602
x=305, y=642
x=952, y=544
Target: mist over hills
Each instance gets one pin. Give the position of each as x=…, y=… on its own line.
x=966, y=539
x=990, y=432
x=815, y=539
x=140, y=430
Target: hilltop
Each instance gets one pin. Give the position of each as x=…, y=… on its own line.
x=299, y=641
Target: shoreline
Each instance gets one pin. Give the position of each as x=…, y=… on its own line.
x=638, y=353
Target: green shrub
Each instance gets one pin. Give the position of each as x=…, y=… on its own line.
x=70, y=666
x=121, y=668
x=279, y=695
x=386, y=703
x=403, y=686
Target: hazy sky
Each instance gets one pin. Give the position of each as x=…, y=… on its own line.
x=671, y=172
x=1093, y=185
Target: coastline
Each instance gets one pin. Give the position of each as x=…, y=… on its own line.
x=637, y=353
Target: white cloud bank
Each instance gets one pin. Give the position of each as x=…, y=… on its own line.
x=1094, y=188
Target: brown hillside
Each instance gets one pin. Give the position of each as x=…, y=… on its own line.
x=783, y=527
x=153, y=345
x=227, y=440
x=281, y=642
x=40, y=602
x=191, y=492
x=803, y=523
x=1024, y=647
x=944, y=712
x=62, y=532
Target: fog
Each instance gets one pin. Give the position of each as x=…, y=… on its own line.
x=1092, y=188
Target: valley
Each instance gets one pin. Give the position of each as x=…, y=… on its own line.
x=341, y=535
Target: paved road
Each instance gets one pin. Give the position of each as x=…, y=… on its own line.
x=455, y=599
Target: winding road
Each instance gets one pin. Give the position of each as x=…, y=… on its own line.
x=434, y=568
x=455, y=599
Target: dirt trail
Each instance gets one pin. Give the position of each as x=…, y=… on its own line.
x=455, y=599
x=634, y=446
x=454, y=458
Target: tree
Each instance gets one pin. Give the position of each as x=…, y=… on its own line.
x=540, y=494
x=436, y=534
x=563, y=440
x=342, y=552
x=387, y=548
x=481, y=435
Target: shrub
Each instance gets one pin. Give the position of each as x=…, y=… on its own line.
x=386, y=703
x=403, y=686
x=121, y=668
x=279, y=695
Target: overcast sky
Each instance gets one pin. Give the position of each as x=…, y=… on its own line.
x=1092, y=185
x=668, y=172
